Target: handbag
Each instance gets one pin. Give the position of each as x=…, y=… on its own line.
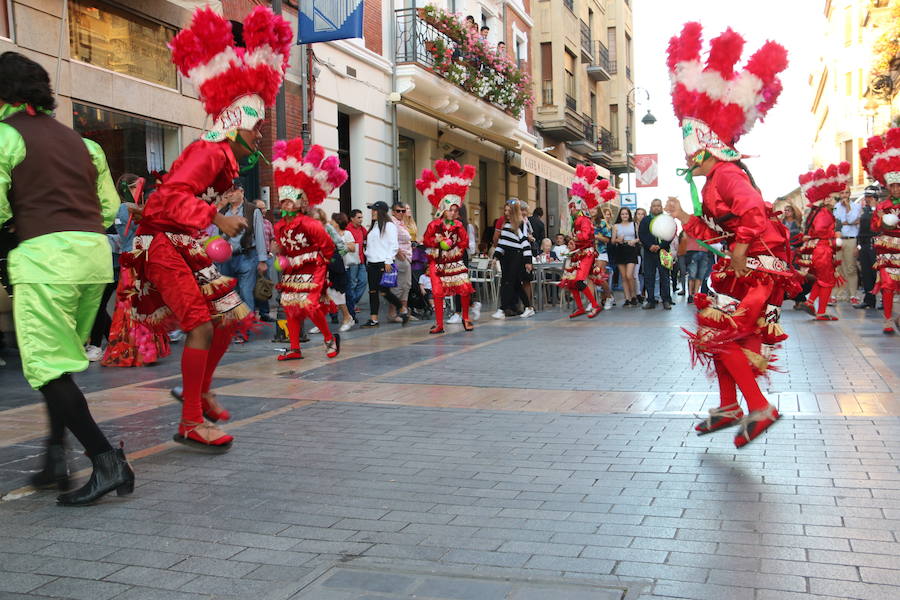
x=389, y=280
x=262, y=291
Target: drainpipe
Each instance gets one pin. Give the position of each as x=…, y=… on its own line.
x=395, y=140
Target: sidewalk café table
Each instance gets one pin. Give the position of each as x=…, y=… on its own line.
x=545, y=273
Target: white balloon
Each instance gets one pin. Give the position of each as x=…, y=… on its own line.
x=663, y=227
x=838, y=242
x=890, y=219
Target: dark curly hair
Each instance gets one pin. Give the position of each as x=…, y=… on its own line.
x=23, y=81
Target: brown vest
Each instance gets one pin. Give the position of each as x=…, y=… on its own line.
x=55, y=188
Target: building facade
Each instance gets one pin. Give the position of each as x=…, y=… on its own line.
x=583, y=79
x=846, y=100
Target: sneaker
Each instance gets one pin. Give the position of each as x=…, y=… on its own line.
x=315, y=330
x=94, y=353
x=528, y=312
x=370, y=323
x=475, y=311
x=498, y=314
x=176, y=336
x=455, y=319
x=855, y=301
x=608, y=304
x=347, y=325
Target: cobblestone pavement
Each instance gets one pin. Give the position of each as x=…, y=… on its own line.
x=530, y=459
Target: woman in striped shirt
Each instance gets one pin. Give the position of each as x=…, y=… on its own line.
x=513, y=250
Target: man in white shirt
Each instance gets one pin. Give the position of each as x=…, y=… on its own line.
x=847, y=216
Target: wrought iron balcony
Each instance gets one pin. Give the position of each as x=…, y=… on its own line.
x=437, y=41
x=587, y=140
x=606, y=145
x=586, y=50
x=599, y=69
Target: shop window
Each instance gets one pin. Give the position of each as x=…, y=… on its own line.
x=6, y=19
x=115, y=39
x=131, y=144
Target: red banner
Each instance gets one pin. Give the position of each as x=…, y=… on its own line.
x=646, y=170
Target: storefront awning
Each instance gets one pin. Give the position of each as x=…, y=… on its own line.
x=550, y=168
x=504, y=142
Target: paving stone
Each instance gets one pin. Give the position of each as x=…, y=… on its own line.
x=81, y=589
x=21, y=582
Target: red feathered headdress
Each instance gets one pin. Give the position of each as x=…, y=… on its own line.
x=447, y=185
x=314, y=176
x=587, y=190
x=715, y=104
x=881, y=157
x=235, y=84
x=822, y=183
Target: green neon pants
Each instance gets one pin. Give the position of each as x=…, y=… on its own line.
x=53, y=321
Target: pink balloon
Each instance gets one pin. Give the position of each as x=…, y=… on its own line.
x=218, y=250
x=281, y=263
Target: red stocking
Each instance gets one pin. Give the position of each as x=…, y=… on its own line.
x=824, y=297
x=294, y=325
x=813, y=294
x=576, y=295
x=221, y=339
x=590, y=296
x=738, y=366
x=439, y=312
x=465, y=300
x=319, y=320
x=887, y=298
x=193, y=370
x=727, y=390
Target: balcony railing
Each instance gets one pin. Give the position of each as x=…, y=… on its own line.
x=436, y=41
x=613, y=67
x=547, y=92
x=586, y=49
x=570, y=102
x=628, y=72
x=589, y=132
x=599, y=70
x=606, y=141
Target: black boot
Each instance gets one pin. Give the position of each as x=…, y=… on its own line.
x=111, y=472
x=56, y=471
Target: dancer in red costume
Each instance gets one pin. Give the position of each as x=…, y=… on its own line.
x=304, y=247
x=584, y=196
x=819, y=252
x=739, y=325
x=881, y=159
x=446, y=238
x=175, y=282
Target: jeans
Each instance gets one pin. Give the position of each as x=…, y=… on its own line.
x=867, y=270
x=652, y=266
x=356, y=285
x=698, y=263
x=243, y=268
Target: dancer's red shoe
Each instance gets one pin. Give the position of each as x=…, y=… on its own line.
x=595, y=311
x=292, y=354
x=826, y=318
x=467, y=325
x=578, y=312
x=754, y=424
x=720, y=418
x=333, y=346
x=436, y=329
x=204, y=437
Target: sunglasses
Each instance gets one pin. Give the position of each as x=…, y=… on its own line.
x=512, y=202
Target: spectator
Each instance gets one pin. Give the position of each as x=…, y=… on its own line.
x=514, y=252
x=351, y=258
x=410, y=223
x=865, y=239
x=248, y=258
x=528, y=276
x=426, y=291
x=382, y=244
x=356, y=274
x=262, y=306
x=847, y=215
x=501, y=49
x=639, y=215
x=602, y=237
x=624, y=238
x=792, y=221
x=698, y=262
x=538, y=230
x=561, y=249
x=337, y=272
x=546, y=253
x=652, y=263
x=485, y=32
x=401, y=262
x=470, y=22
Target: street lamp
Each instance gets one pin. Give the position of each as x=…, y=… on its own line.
x=648, y=119
x=631, y=99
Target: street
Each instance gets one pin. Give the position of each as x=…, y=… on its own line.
x=529, y=459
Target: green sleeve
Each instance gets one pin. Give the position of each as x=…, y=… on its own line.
x=106, y=189
x=12, y=152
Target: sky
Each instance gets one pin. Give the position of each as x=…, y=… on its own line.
x=782, y=145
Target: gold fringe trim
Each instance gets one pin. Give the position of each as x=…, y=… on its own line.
x=759, y=362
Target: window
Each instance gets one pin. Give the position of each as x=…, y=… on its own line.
x=614, y=124
x=547, y=73
x=5, y=20
x=628, y=62
x=570, y=79
x=131, y=144
x=848, y=153
x=613, y=48
x=115, y=39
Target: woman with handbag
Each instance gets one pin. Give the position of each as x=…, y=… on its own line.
x=304, y=247
x=382, y=243
x=447, y=238
x=626, y=242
